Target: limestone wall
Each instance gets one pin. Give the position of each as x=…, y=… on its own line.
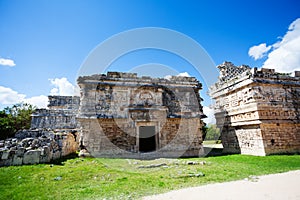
x=116, y=138
x=281, y=138
x=60, y=114
x=248, y=102
x=63, y=102
x=114, y=94
x=114, y=107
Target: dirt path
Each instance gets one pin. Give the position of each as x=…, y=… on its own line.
x=275, y=186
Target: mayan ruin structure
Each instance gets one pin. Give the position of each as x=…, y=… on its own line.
x=117, y=115
x=126, y=116
x=258, y=111
x=54, y=133
x=61, y=114
x=123, y=115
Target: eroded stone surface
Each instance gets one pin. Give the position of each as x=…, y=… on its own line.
x=38, y=146
x=117, y=108
x=258, y=111
x=114, y=109
x=53, y=134
x=60, y=114
x=32, y=157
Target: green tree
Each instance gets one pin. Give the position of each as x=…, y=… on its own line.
x=15, y=118
x=212, y=132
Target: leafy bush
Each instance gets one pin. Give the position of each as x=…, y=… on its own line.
x=15, y=118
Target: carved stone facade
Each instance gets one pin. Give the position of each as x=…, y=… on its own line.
x=61, y=114
x=122, y=115
x=258, y=111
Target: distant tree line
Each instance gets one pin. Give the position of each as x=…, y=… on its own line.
x=212, y=132
x=14, y=118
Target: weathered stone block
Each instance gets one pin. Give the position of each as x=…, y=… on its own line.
x=5, y=155
x=32, y=157
x=116, y=108
x=20, y=151
x=17, y=160
x=56, y=155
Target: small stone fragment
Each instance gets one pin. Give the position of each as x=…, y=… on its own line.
x=58, y=178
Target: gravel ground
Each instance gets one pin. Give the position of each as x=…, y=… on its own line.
x=281, y=186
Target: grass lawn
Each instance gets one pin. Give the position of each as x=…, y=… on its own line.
x=99, y=178
x=212, y=143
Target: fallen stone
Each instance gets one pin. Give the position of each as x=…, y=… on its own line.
x=56, y=155
x=153, y=165
x=199, y=174
x=32, y=157
x=20, y=151
x=58, y=178
x=202, y=162
x=17, y=160
x=13, y=148
x=192, y=163
x=28, y=148
x=84, y=153
x=5, y=155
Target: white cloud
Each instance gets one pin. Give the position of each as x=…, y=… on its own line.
x=168, y=77
x=209, y=112
x=185, y=74
x=9, y=97
x=63, y=87
x=285, y=54
x=259, y=51
x=7, y=62
x=39, y=101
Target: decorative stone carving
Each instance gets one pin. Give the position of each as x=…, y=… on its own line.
x=109, y=115
x=248, y=102
x=125, y=103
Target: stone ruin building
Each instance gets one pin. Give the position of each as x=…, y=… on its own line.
x=53, y=135
x=122, y=115
x=60, y=115
x=258, y=111
x=117, y=115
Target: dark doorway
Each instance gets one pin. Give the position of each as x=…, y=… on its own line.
x=147, y=140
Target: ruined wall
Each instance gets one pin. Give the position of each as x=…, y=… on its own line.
x=115, y=106
x=53, y=135
x=254, y=107
x=37, y=146
x=60, y=114
x=108, y=121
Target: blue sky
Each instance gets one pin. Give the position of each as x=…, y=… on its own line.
x=44, y=43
